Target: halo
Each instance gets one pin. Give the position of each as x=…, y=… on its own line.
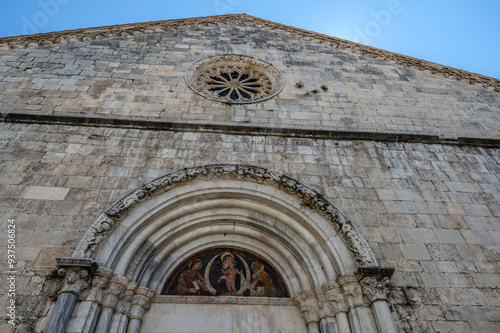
x=226, y=254
x=211, y=289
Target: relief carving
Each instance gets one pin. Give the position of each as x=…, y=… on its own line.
x=308, y=304
x=375, y=289
x=309, y=199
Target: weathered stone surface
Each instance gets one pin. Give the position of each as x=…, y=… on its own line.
x=426, y=207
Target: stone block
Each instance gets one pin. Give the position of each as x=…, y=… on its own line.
x=407, y=207
x=449, y=236
x=418, y=235
x=434, y=280
x=415, y=252
x=443, y=251
x=451, y=327
x=66, y=207
x=46, y=193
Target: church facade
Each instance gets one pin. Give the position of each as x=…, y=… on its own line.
x=232, y=174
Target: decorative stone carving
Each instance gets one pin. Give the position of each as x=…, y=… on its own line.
x=76, y=273
x=334, y=297
x=97, y=232
x=126, y=301
x=308, y=197
x=325, y=308
x=99, y=283
x=374, y=281
x=116, y=288
x=375, y=289
x=234, y=79
x=140, y=302
x=352, y=291
x=308, y=304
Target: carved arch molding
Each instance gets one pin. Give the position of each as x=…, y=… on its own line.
x=125, y=258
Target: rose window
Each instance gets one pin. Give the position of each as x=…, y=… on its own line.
x=234, y=84
x=234, y=79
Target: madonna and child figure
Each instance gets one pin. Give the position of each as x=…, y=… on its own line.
x=221, y=272
x=230, y=276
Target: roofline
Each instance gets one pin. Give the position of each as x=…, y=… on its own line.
x=90, y=34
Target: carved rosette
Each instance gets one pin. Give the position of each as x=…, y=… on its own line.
x=234, y=79
x=309, y=199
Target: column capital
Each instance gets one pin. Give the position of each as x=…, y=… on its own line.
x=99, y=283
x=374, y=281
x=308, y=304
x=126, y=301
x=114, y=292
x=352, y=291
x=334, y=296
x=140, y=302
x=76, y=272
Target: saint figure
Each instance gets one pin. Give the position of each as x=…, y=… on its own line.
x=191, y=282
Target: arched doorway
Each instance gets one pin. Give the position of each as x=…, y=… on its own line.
x=149, y=236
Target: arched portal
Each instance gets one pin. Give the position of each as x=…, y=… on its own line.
x=330, y=274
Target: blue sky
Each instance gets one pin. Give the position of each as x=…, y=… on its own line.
x=457, y=33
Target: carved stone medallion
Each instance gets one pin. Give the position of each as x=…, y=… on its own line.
x=234, y=79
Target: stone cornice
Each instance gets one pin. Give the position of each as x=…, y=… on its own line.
x=287, y=132
x=90, y=34
x=223, y=300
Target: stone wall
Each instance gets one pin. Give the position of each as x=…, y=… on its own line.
x=141, y=76
x=430, y=211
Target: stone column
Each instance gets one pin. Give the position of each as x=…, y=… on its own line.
x=374, y=281
x=96, y=293
x=338, y=305
x=140, y=303
x=360, y=318
x=308, y=304
x=76, y=273
x=327, y=322
x=119, y=322
x=116, y=287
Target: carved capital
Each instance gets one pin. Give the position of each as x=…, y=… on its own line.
x=334, y=297
x=325, y=307
x=374, y=281
x=375, y=289
x=116, y=287
x=308, y=304
x=99, y=284
x=76, y=272
x=126, y=301
x=140, y=302
x=352, y=291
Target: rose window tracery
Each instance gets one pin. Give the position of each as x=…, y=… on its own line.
x=234, y=79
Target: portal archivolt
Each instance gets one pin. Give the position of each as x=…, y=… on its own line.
x=329, y=271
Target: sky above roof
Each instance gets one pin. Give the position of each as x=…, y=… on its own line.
x=459, y=33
